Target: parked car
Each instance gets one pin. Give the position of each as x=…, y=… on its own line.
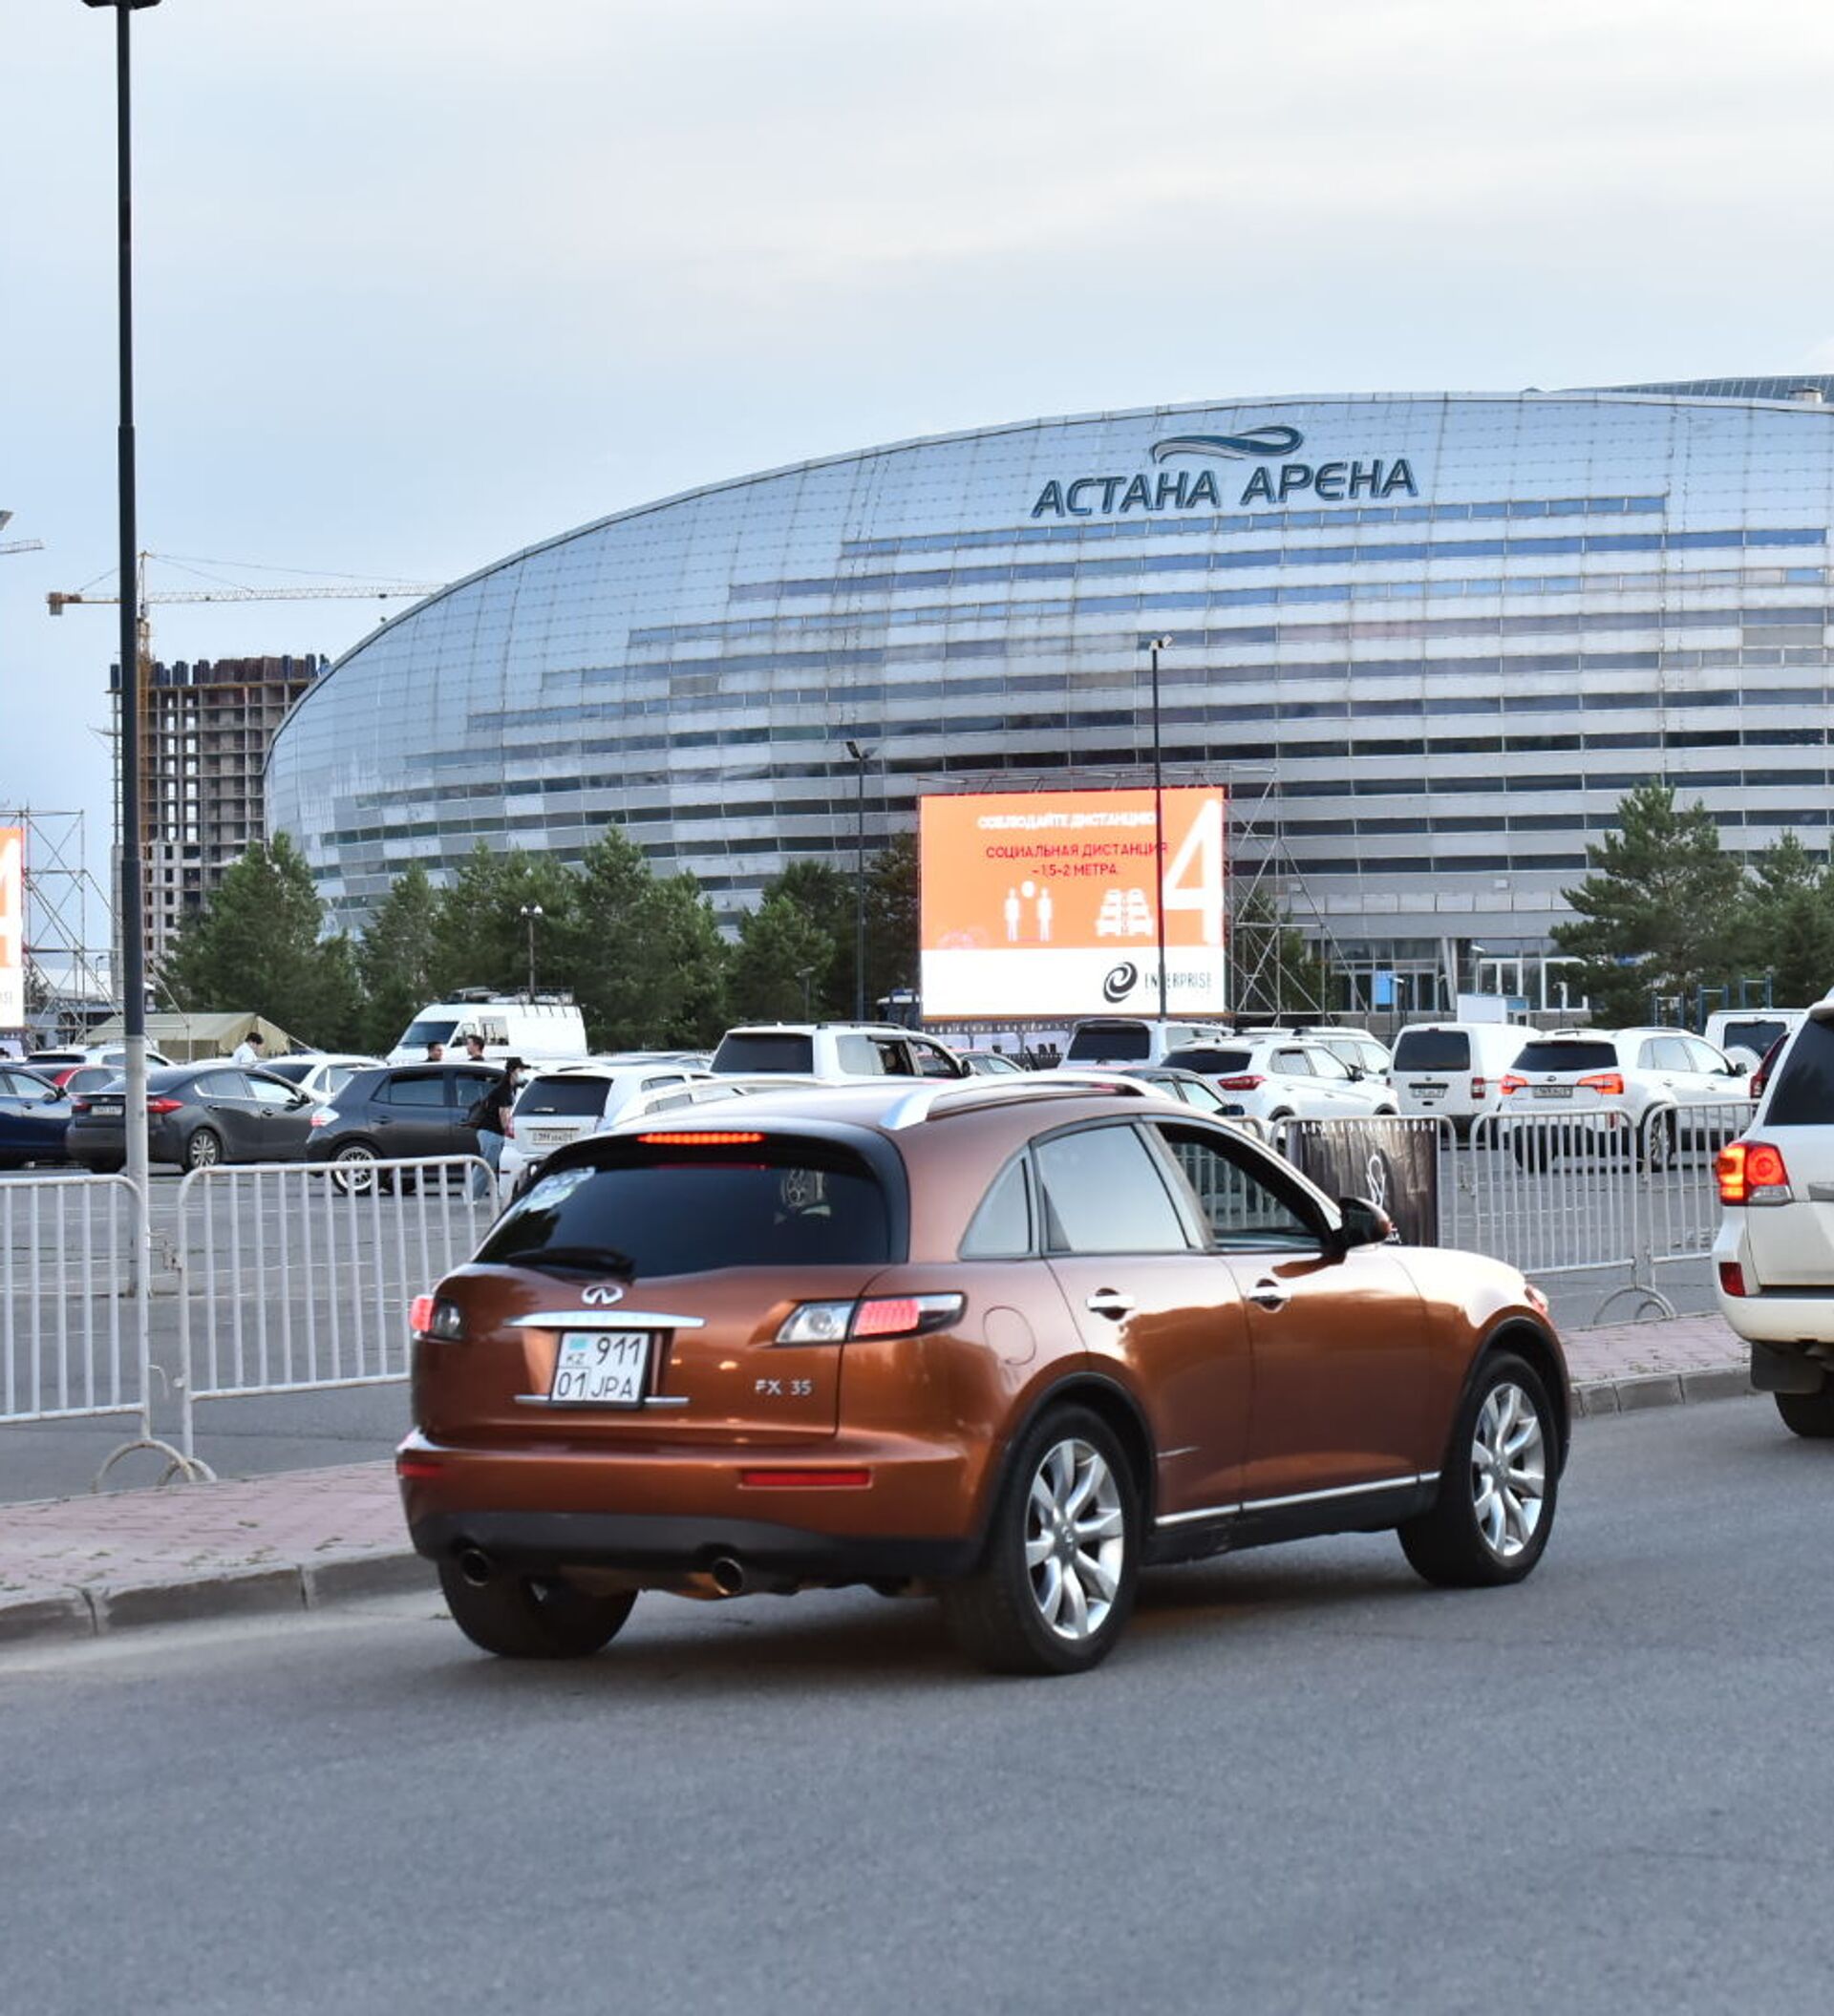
x=320, y=1074
x=1276, y=1078
x=396, y=1113
x=1135, y=1039
x=786, y=1352
x=1774, y=1255
x=1358, y=1048
x=1188, y=1087
x=115, y=1053
x=1747, y=1034
x=74, y=1079
x=1454, y=1069
x=33, y=1116
x=836, y=1051
x=559, y=1105
x=197, y=1115
x=1646, y=1086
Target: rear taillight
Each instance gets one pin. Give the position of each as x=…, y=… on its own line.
x=874, y=1316
x=700, y=1141
x=324, y=1116
x=1609, y=1082
x=1732, y=1278
x=161, y=1107
x=1751, y=1172
x=433, y=1316
x=1480, y=1086
x=80, y=1106
x=1511, y=1083
x=1251, y=1083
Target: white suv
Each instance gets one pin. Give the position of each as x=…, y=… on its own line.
x=1135, y=1039
x=1640, y=1085
x=1774, y=1258
x=561, y=1105
x=836, y=1052
x=1277, y=1078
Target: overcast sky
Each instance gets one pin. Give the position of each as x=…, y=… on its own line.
x=421, y=282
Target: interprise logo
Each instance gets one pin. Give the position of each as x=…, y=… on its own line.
x=1275, y=479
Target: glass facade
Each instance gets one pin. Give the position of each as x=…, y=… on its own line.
x=1428, y=640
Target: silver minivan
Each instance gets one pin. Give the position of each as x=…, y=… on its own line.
x=1455, y=1068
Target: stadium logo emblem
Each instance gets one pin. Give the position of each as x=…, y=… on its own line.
x=1121, y=981
x=1251, y=446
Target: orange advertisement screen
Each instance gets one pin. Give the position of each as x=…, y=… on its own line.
x=12, y=927
x=1047, y=904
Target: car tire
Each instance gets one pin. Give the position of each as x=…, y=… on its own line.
x=354, y=1169
x=1810, y=1415
x=204, y=1149
x=520, y=1617
x=1387, y=1112
x=1655, y=1143
x=1477, y=1534
x=1041, y=1601
x=102, y=1168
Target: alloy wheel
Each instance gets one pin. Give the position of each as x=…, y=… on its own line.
x=1076, y=1538
x=1508, y=1470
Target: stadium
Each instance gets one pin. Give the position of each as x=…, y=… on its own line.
x=1426, y=641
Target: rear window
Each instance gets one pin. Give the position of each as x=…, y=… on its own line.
x=1802, y=1092
x=1433, y=1049
x=1213, y=1063
x=667, y=1211
x=765, y=1050
x=1112, y=1042
x=1565, y=1056
x=571, y=1098
x=1756, y=1036
x=292, y=1069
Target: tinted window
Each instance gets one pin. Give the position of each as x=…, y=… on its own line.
x=1002, y=1226
x=766, y=1051
x=1755, y=1035
x=1238, y=1194
x=1103, y=1194
x=1433, y=1049
x=219, y=1085
x=292, y=1069
x=574, y=1097
x=420, y=1033
x=690, y=1210
x=1802, y=1092
x=1565, y=1056
x=428, y=1090
x=1217, y=1062
x=1116, y=1042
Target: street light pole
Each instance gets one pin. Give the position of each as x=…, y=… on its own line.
x=133, y=867
x=1154, y=645
x=528, y=913
x=861, y=756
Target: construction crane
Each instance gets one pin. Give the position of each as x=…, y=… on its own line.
x=19, y=546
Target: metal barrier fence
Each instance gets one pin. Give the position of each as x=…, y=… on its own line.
x=296, y=1278
x=73, y=1303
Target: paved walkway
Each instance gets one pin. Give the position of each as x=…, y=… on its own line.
x=74, y=1567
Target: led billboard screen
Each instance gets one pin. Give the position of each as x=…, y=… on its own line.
x=1044, y=904
x=12, y=928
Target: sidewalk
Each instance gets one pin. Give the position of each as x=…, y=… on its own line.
x=77, y=1567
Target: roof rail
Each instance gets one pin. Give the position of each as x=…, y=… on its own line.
x=927, y=1101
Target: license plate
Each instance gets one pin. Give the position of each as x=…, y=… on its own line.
x=1552, y=1092
x=1429, y=1092
x=551, y=1136
x=105, y=1105
x=601, y=1368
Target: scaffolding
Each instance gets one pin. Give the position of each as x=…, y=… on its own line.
x=69, y=972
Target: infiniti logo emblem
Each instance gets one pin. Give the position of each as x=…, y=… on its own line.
x=603, y=1293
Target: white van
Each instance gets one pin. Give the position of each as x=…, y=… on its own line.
x=1133, y=1039
x=1455, y=1068
x=538, y=1032
x=1746, y=1034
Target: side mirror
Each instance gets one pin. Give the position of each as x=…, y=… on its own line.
x=1355, y=1070
x=1364, y=1224
x=1740, y=1069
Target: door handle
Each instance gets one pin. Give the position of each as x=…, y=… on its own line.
x=1106, y=1302
x=1268, y=1295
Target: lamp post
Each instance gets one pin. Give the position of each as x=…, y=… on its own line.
x=528, y=913
x=1154, y=645
x=132, y=868
x=861, y=756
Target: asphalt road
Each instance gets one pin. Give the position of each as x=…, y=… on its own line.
x=1305, y=1783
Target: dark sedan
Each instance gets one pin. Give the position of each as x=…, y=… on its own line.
x=197, y=1115
x=33, y=1114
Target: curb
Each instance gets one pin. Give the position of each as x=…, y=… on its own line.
x=1645, y=1389
x=99, y=1611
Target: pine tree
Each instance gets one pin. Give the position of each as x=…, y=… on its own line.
x=782, y=953
x=398, y=957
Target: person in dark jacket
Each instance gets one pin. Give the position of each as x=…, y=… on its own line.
x=490, y=1116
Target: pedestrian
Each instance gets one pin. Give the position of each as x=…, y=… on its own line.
x=248, y=1049
x=489, y=1119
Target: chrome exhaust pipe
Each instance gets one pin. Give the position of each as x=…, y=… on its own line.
x=475, y=1565
x=729, y=1575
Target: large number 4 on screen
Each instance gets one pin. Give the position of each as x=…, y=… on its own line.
x=1195, y=873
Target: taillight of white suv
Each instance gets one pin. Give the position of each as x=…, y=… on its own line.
x=1751, y=1172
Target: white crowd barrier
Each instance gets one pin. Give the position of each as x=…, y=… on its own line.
x=296, y=1278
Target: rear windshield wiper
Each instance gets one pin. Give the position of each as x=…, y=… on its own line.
x=585, y=1260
